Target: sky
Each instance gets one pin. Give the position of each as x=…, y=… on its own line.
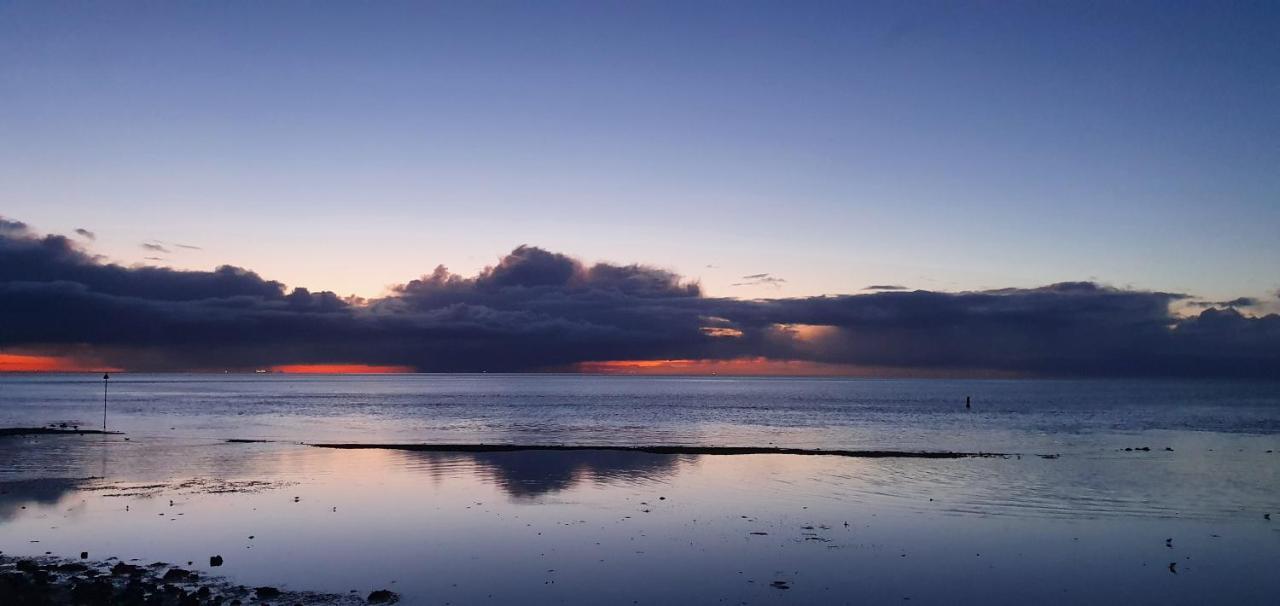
x=760, y=150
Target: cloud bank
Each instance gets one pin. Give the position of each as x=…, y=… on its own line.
x=536, y=309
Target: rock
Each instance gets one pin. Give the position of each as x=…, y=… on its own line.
x=176, y=574
x=96, y=592
x=780, y=585
x=382, y=596
x=215, y=560
x=84, y=555
x=266, y=593
x=122, y=569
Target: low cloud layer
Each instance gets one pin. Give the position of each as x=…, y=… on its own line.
x=1237, y=302
x=536, y=309
x=761, y=280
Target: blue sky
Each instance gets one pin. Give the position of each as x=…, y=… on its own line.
x=943, y=146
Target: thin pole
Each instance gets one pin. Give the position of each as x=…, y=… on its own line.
x=105, y=378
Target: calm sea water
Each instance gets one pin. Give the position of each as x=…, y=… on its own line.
x=1013, y=416
x=588, y=527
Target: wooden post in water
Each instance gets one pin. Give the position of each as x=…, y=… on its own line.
x=105, y=377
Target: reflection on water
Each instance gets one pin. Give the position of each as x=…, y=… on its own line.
x=18, y=495
x=529, y=474
x=566, y=527
x=609, y=527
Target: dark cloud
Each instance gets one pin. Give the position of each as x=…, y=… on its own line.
x=885, y=287
x=86, y=234
x=11, y=228
x=1237, y=302
x=189, y=246
x=760, y=279
x=536, y=309
x=154, y=247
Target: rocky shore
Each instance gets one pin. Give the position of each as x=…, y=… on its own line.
x=54, y=581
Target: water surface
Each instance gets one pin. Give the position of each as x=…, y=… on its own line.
x=606, y=527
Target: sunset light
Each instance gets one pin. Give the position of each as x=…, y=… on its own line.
x=582, y=303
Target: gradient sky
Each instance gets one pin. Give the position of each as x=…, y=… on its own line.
x=941, y=146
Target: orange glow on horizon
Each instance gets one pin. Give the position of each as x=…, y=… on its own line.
x=738, y=366
x=340, y=369
x=761, y=366
x=39, y=363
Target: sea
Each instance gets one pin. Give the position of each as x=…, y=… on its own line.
x=1091, y=491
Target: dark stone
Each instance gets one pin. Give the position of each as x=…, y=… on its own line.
x=267, y=593
x=176, y=574
x=96, y=592
x=382, y=596
x=215, y=560
x=122, y=569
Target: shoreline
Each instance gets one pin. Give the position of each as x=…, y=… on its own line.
x=54, y=431
x=669, y=450
x=57, y=580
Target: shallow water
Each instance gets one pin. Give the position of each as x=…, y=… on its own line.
x=604, y=527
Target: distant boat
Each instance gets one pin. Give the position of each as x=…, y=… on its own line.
x=261, y=371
